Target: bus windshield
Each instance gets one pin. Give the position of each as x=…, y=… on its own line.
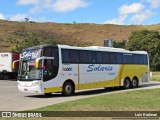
x=49, y=70
x=27, y=69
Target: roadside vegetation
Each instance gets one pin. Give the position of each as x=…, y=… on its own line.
x=15, y=36
x=147, y=41
x=155, y=76
x=141, y=100
x=144, y=40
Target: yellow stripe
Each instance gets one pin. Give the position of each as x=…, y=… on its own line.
x=52, y=89
x=120, y=75
x=78, y=77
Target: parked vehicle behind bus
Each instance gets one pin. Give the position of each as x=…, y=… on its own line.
x=6, y=65
x=62, y=68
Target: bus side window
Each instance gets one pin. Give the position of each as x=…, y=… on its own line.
x=47, y=52
x=92, y=57
x=136, y=59
x=74, y=56
x=119, y=58
x=106, y=58
x=65, y=56
x=127, y=59
x=145, y=59
x=84, y=56
x=113, y=58
x=55, y=55
x=99, y=57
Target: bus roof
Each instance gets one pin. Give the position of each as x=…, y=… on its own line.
x=101, y=48
x=94, y=48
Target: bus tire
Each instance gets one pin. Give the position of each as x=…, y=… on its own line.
x=6, y=76
x=134, y=83
x=2, y=76
x=127, y=83
x=68, y=89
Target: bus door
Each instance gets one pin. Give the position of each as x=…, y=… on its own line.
x=50, y=66
x=49, y=71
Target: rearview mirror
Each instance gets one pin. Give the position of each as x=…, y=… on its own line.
x=38, y=63
x=13, y=64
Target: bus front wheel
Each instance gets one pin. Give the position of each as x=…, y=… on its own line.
x=68, y=89
x=127, y=83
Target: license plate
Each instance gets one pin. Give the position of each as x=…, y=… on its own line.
x=25, y=89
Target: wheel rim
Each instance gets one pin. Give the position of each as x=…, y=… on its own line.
x=134, y=83
x=127, y=83
x=68, y=89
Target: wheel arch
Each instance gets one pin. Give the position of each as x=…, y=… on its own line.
x=135, y=77
x=127, y=77
x=69, y=80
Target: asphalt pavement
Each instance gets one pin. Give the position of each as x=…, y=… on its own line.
x=13, y=100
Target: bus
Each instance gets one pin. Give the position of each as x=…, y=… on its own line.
x=47, y=69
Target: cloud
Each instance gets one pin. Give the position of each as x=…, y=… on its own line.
x=154, y=3
x=27, y=2
x=53, y=5
x=124, y=11
x=39, y=5
x=21, y=17
x=140, y=17
x=41, y=19
x=68, y=5
x=136, y=13
x=35, y=10
x=18, y=17
x=2, y=16
x=118, y=21
x=133, y=8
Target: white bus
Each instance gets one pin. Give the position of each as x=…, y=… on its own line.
x=46, y=69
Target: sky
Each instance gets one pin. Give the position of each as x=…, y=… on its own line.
x=121, y=12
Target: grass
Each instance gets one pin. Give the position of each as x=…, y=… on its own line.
x=142, y=100
x=155, y=76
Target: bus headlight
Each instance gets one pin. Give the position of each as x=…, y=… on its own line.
x=35, y=83
x=19, y=84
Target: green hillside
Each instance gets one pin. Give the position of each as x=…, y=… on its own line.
x=11, y=33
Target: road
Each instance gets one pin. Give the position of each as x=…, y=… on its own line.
x=12, y=100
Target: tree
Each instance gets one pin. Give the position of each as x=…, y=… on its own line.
x=120, y=44
x=29, y=41
x=148, y=41
x=26, y=19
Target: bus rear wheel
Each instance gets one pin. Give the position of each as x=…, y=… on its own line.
x=127, y=83
x=134, y=83
x=68, y=89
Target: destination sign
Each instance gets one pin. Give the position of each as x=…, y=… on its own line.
x=31, y=54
